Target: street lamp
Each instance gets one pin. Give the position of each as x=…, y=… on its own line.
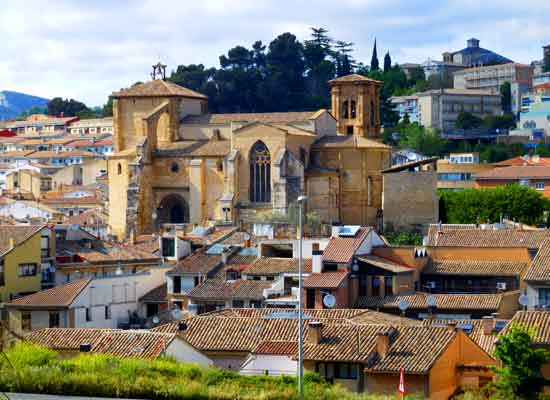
x=301, y=201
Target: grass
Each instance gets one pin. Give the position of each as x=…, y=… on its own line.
x=39, y=370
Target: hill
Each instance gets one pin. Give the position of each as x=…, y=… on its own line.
x=14, y=103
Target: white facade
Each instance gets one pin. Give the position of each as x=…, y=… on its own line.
x=266, y=364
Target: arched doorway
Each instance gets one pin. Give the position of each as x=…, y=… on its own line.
x=173, y=209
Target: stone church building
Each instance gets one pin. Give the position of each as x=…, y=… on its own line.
x=175, y=163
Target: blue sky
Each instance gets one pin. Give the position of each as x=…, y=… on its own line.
x=86, y=50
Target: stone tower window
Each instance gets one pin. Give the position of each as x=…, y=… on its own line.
x=119, y=169
x=345, y=111
x=175, y=168
x=369, y=191
x=372, y=113
x=353, y=109
x=260, y=173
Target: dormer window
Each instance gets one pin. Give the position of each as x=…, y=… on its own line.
x=232, y=275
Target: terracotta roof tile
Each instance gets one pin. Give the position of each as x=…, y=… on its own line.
x=275, y=266
x=519, y=160
x=480, y=268
x=353, y=78
x=343, y=313
x=348, y=141
x=539, y=321
x=214, y=289
x=418, y=301
x=277, y=347
x=194, y=148
x=59, y=296
x=156, y=295
x=385, y=264
x=468, y=236
x=516, y=172
x=158, y=88
x=540, y=268
x=273, y=118
x=198, y=262
x=325, y=280
x=104, y=252
x=342, y=249
x=66, y=338
x=19, y=233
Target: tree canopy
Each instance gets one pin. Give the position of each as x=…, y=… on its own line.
x=69, y=108
x=515, y=202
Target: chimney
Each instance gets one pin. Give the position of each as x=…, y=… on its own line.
x=488, y=325
x=382, y=344
x=314, y=332
x=11, y=243
x=225, y=256
x=317, y=261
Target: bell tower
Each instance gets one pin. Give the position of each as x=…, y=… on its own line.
x=356, y=105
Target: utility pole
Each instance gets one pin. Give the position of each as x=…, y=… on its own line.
x=301, y=200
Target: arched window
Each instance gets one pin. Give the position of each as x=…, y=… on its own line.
x=119, y=169
x=345, y=111
x=260, y=174
x=372, y=113
x=353, y=109
x=175, y=168
x=369, y=191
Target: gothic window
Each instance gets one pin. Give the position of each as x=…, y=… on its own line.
x=345, y=111
x=369, y=191
x=260, y=174
x=353, y=109
x=175, y=168
x=372, y=113
x=119, y=169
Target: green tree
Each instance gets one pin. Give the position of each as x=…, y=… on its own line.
x=520, y=375
x=466, y=120
x=69, y=108
x=387, y=62
x=107, y=110
x=470, y=206
x=506, y=96
x=374, y=65
x=416, y=137
x=505, y=121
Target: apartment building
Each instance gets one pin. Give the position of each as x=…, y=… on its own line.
x=92, y=127
x=439, y=109
x=457, y=171
x=491, y=77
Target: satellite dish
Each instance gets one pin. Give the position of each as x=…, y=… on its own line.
x=156, y=320
x=403, y=305
x=329, y=301
x=523, y=300
x=431, y=300
x=355, y=267
x=176, y=313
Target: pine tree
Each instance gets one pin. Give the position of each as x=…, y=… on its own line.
x=387, y=62
x=374, y=65
x=344, y=67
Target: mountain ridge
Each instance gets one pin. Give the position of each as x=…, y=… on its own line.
x=14, y=103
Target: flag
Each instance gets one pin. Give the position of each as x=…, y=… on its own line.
x=401, y=388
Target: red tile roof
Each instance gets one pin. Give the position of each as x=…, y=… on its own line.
x=158, y=88
x=540, y=267
x=342, y=249
x=275, y=266
x=516, y=172
x=329, y=280
x=276, y=347
x=59, y=296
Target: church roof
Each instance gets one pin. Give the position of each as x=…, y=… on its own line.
x=272, y=118
x=353, y=78
x=195, y=148
x=158, y=88
x=341, y=141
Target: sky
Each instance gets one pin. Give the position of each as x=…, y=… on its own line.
x=88, y=49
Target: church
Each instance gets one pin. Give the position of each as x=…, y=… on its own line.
x=176, y=163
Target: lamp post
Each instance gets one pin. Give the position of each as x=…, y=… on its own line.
x=301, y=200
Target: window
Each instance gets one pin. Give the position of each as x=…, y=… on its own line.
x=2, y=278
x=544, y=297
x=26, y=319
x=353, y=109
x=369, y=191
x=54, y=320
x=260, y=174
x=27, y=269
x=376, y=286
x=231, y=275
x=539, y=185
x=345, y=111
x=45, y=246
x=177, y=284
x=349, y=130
x=219, y=165
x=238, y=304
x=372, y=118
x=119, y=169
x=338, y=370
x=88, y=314
x=388, y=285
x=175, y=168
x=107, y=312
x=525, y=182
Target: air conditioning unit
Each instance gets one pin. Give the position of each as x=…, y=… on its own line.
x=430, y=285
x=501, y=286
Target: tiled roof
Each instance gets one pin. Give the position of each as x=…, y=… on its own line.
x=519, y=160
x=343, y=313
x=158, y=88
x=215, y=289
x=539, y=321
x=119, y=343
x=62, y=154
x=385, y=264
x=481, y=268
x=89, y=217
x=415, y=349
x=272, y=118
x=540, y=267
x=276, y=266
x=19, y=233
x=59, y=296
x=353, y=78
x=104, y=252
x=325, y=279
x=342, y=249
x=156, y=295
x=382, y=318
x=276, y=347
x=194, y=148
x=348, y=141
x=418, y=301
x=516, y=172
x=468, y=236
x=198, y=262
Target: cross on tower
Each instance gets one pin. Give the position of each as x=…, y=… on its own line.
x=159, y=71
